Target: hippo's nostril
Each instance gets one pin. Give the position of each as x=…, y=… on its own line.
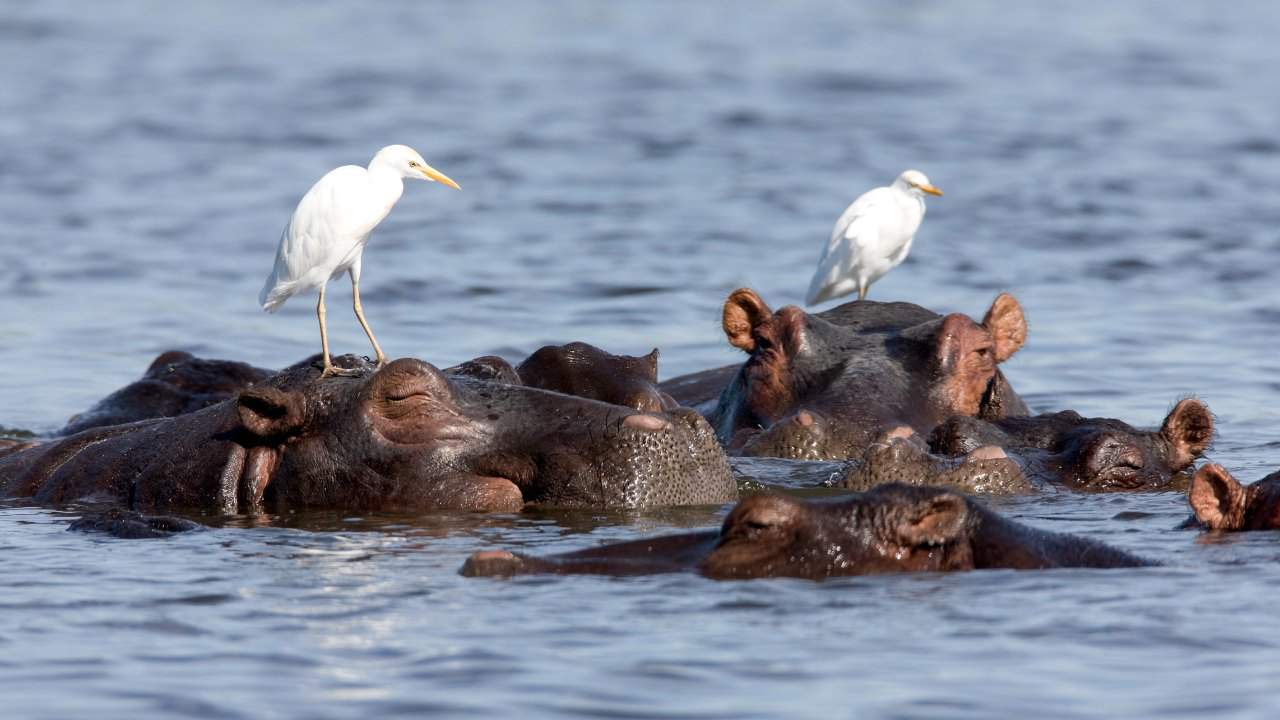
x=804, y=418
x=648, y=423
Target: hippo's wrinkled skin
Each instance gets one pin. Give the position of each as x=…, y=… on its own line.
x=893, y=528
x=399, y=438
x=1220, y=502
x=175, y=383
x=820, y=387
x=587, y=371
x=1088, y=453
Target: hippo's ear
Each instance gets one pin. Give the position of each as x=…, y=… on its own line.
x=744, y=311
x=1007, y=325
x=270, y=413
x=1217, y=499
x=1189, y=429
x=165, y=359
x=934, y=521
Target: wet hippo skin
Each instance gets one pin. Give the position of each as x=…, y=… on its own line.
x=405, y=437
x=820, y=387
x=892, y=528
x=1089, y=453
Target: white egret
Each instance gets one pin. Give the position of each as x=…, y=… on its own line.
x=871, y=238
x=328, y=231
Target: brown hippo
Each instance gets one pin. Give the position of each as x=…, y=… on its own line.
x=1088, y=453
x=892, y=528
x=403, y=437
x=175, y=383
x=901, y=457
x=821, y=386
x=587, y=371
x=1220, y=502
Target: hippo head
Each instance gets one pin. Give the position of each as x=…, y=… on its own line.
x=587, y=371
x=821, y=386
x=1090, y=453
x=900, y=456
x=175, y=383
x=407, y=436
x=892, y=528
x=1220, y=502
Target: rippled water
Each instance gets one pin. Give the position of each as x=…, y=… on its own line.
x=624, y=167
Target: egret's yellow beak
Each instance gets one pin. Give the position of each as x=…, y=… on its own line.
x=434, y=174
x=929, y=189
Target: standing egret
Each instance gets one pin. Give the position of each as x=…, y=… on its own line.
x=871, y=238
x=330, y=227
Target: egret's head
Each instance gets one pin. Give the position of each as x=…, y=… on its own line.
x=916, y=180
x=406, y=161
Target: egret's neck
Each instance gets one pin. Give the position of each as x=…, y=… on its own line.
x=386, y=181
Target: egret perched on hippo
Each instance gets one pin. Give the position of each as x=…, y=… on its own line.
x=329, y=228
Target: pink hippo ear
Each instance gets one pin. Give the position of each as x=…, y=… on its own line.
x=1007, y=325
x=744, y=312
x=1189, y=429
x=270, y=413
x=935, y=521
x=1217, y=499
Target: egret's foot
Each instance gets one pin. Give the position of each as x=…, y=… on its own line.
x=335, y=371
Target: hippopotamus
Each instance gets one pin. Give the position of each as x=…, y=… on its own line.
x=402, y=437
x=900, y=456
x=1220, y=502
x=175, y=383
x=1088, y=453
x=587, y=371
x=892, y=528
x=820, y=387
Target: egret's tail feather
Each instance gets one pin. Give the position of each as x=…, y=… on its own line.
x=275, y=293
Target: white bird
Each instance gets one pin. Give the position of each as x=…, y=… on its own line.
x=871, y=238
x=329, y=228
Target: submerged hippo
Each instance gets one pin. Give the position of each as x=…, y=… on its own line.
x=820, y=387
x=901, y=457
x=893, y=528
x=403, y=437
x=175, y=383
x=1088, y=453
x=587, y=371
x=1220, y=502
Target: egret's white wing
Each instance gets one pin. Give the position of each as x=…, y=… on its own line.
x=857, y=228
x=334, y=215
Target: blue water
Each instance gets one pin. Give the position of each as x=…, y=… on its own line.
x=624, y=166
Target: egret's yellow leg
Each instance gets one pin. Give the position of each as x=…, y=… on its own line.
x=355, y=303
x=329, y=368
x=324, y=335
x=862, y=292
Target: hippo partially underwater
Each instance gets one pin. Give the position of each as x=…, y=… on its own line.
x=1068, y=449
x=892, y=528
x=403, y=437
x=822, y=386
